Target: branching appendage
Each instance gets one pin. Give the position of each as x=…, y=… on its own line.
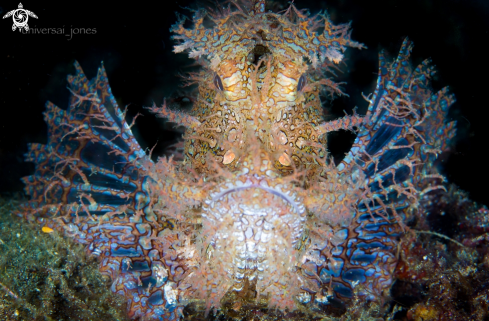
x=345, y=123
x=327, y=85
x=174, y=116
x=80, y=99
x=124, y=129
x=192, y=78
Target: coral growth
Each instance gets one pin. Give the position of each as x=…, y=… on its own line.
x=441, y=277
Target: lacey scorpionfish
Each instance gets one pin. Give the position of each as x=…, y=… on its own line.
x=255, y=212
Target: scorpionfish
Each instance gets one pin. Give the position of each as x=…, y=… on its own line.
x=254, y=211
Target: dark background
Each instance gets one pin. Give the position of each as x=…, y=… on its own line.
x=134, y=42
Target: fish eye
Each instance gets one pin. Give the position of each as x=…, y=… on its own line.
x=218, y=82
x=302, y=83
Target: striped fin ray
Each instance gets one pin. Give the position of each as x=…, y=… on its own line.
x=92, y=165
x=402, y=134
x=92, y=181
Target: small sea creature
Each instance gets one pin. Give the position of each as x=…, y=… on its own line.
x=47, y=229
x=256, y=211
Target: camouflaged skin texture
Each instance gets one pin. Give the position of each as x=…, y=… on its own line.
x=255, y=211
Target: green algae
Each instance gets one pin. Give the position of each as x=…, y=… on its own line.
x=45, y=276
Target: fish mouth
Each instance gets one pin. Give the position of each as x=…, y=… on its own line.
x=245, y=208
x=253, y=226
x=279, y=190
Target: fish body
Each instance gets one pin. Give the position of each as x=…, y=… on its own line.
x=256, y=211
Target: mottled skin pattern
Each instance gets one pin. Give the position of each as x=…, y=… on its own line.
x=251, y=85
x=256, y=213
